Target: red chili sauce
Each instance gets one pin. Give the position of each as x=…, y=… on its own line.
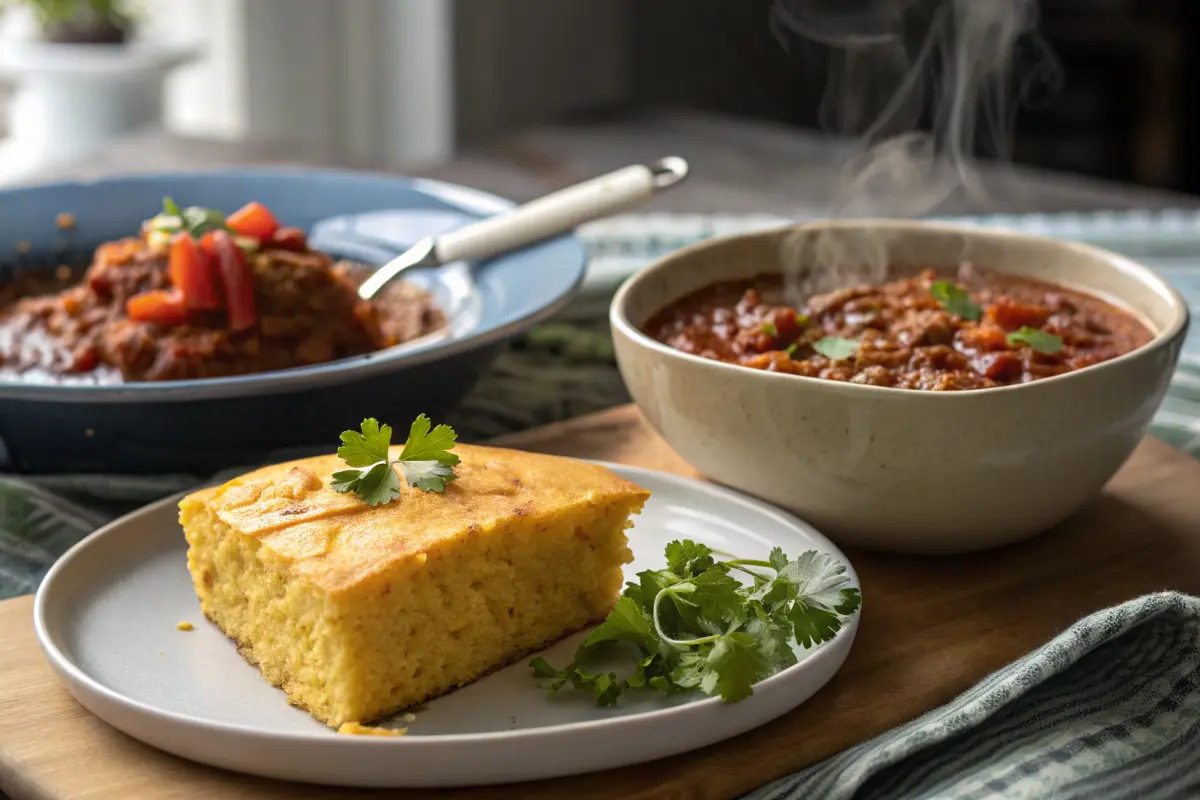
x=904, y=333
x=130, y=319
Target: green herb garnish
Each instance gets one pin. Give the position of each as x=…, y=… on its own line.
x=791, y=350
x=836, y=348
x=694, y=626
x=426, y=461
x=801, y=319
x=193, y=219
x=1039, y=340
x=955, y=300
x=769, y=329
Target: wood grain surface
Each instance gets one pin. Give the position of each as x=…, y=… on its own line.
x=931, y=627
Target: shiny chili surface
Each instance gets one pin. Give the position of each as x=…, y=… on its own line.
x=905, y=338
x=308, y=312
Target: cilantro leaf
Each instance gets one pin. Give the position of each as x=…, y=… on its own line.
x=818, y=578
x=628, y=622
x=687, y=559
x=377, y=484
x=199, y=221
x=955, y=299
x=777, y=558
x=1041, y=341
x=813, y=625
x=790, y=350
x=718, y=596
x=773, y=637
x=732, y=667
x=422, y=445
x=366, y=448
x=769, y=329
x=605, y=687
x=836, y=348
x=653, y=672
x=193, y=219
x=425, y=461
x=430, y=476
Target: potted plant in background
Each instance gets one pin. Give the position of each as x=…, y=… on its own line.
x=82, y=76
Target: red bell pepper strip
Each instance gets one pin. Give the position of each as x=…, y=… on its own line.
x=253, y=219
x=237, y=281
x=160, y=306
x=191, y=270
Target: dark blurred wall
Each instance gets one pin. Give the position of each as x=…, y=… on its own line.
x=1124, y=109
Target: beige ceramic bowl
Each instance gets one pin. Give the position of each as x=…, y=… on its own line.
x=897, y=469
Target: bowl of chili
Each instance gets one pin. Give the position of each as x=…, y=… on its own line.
x=142, y=335
x=930, y=388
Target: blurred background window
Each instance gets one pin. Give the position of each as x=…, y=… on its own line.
x=403, y=82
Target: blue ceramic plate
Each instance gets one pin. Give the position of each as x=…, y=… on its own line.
x=203, y=425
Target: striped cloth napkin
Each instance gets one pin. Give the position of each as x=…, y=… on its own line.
x=1108, y=709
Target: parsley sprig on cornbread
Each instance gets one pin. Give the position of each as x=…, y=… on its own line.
x=426, y=460
x=695, y=626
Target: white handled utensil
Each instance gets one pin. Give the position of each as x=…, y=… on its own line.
x=536, y=220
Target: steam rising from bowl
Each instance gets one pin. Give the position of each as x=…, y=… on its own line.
x=923, y=85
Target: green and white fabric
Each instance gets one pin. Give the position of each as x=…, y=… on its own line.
x=1107, y=710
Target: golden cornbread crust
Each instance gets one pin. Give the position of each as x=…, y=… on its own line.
x=359, y=612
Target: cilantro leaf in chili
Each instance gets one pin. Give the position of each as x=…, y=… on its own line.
x=1039, y=340
x=836, y=348
x=693, y=626
x=769, y=329
x=199, y=221
x=194, y=220
x=955, y=299
x=426, y=461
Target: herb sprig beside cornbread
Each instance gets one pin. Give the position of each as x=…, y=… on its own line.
x=695, y=626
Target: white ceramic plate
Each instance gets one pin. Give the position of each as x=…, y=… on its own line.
x=106, y=616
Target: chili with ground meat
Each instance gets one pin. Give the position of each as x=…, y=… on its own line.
x=181, y=307
x=1008, y=330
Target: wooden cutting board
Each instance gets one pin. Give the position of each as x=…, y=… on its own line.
x=931, y=627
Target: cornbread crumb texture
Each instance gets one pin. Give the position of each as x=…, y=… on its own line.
x=358, y=729
x=184, y=626
x=358, y=612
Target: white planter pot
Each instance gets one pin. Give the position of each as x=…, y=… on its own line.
x=71, y=99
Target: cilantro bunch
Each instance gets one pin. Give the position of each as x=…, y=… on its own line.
x=694, y=625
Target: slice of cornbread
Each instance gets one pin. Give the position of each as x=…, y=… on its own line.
x=359, y=611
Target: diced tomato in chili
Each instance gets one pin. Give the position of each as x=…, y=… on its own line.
x=160, y=306
x=237, y=281
x=1010, y=315
x=293, y=239
x=986, y=337
x=253, y=219
x=191, y=270
x=998, y=366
